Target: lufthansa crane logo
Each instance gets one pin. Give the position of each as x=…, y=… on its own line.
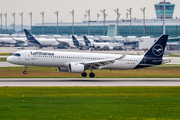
x=29, y=36
x=157, y=50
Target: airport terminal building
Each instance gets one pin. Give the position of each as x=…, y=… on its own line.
x=153, y=27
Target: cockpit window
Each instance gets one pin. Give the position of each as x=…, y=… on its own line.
x=17, y=54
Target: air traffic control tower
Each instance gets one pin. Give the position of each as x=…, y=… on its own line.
x=169, y=10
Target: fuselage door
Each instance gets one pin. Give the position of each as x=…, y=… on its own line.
x=27, y=55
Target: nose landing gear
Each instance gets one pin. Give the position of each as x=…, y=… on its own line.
x=25, y=72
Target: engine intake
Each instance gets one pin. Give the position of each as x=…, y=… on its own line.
x=76, y=68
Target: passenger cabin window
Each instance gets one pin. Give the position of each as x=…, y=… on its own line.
x=17, y=54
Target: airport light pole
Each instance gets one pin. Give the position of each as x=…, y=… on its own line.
x=98, y=15
x=85, y=17
x=129, y=10
x=57, y=20
x=13, y=14
x=72, y=12
x=127, y=14
x=104, y=14
x=30, y=20
x=118, y=16
x=126, y=17
x=164, y=26
x=21, y=14
x=88, y=13
x=1, y=22
x=42, y=13
x=144, y=30
x=5, y=15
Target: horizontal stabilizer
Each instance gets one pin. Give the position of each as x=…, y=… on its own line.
x=162, y=61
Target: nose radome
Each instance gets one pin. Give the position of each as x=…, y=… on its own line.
x=8, y=59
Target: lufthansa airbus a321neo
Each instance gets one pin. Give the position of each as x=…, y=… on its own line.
x=76, y=62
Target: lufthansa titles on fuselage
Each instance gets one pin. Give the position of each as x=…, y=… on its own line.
x=42, y=53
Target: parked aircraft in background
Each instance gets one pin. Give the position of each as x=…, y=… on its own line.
x=41, y=41
x=50, y=42
x=100, y=45
x=20, y=40
x=14, y=41
x=81, y=45
x=78, y=44
x=7, y=40
x=68, y=42
x=76, y=62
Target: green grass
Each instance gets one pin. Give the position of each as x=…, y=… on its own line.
x=89, y=103
x=174, y=56
x=5, y=54
x=2, y=59
x=163, y=71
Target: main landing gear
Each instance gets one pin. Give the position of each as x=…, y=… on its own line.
x=91, y=75
x=84, y=74
x=24, y=72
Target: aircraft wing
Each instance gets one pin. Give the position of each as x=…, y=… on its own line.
x=19, y=41
x=62, y=42
x=98, y=64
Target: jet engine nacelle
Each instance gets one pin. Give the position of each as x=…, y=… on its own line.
x=76, y=68
x=81, y=44
x=97, y=46
x=89, y=44
x=110, y=47
x=63, y=69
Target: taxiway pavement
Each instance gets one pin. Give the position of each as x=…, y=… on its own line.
x=89, y=82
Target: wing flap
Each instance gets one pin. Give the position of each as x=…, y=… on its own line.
x=18, y=41
x=98, y=64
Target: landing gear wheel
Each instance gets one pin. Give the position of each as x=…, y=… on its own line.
x=84, y=74
x=91, y=75
x=24, y=72
x=25, y=67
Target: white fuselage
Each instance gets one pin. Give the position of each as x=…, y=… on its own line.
x=82, y=43
x=62, y=59
x=7, y=41
x=104, y=44
x=21, y=40
x=67, y=41
x=48, y=42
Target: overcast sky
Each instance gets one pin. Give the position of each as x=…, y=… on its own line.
x=79, y=6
